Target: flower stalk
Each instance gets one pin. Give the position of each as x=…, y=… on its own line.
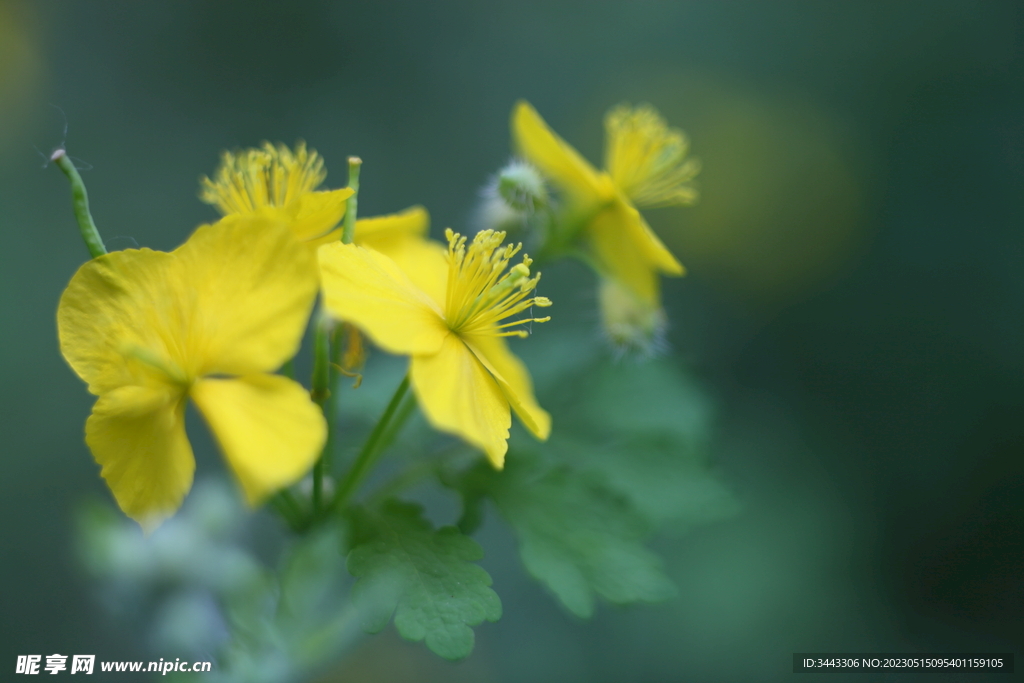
x=284, y=504
x=349, y=233
x=320, y=392
x=372, y=447
x=80, y=202
x=327, y=347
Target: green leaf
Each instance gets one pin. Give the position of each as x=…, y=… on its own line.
x=576, y=537
x=648, y=398
x=654, y=450
x=667, y=482
x=425, y=577
x=312, y=577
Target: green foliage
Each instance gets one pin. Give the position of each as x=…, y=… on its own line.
x=425, y=577
x=576, y=537
x=298, y=617
x=651, y=397
x=627, y=457
x=669, y=485
x=653, y=451
x=207, y=592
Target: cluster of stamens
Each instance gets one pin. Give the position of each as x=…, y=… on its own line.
x=481, y=294
x=249, y=180
x=647, y=159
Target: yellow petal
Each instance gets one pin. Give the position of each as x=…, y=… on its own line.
x=137, y=435
x=541, y=146
x=315, y=214
x=109, y=308
x=619, y=258
x=368, y=289
x=269, y=429
x=402, y=237
x=425, y=263
x=650, y=245
x=379, y=231
x=250, y=286
x=458, y=395
x=332, y=236
x=514, y=380
x=626, y=250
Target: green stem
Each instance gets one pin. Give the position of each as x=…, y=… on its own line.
x=286, y=506
x=351, y=208
x=405, y=409
x=327, y=352
x=80, y=201
x=330, y=408
x=371, y=449
x=321, y=380
x=289, y=499
x=320, y=393
x=561, y=242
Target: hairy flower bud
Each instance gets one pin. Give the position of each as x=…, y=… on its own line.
x=631, y=325
x=522, y=187
x=511, y=197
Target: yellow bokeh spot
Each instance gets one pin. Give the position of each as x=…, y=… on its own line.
x=20, y=68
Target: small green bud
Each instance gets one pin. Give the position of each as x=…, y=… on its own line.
x=522, y=187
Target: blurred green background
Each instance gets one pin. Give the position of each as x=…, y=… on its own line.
x=854, y=304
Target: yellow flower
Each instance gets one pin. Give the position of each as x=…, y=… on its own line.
x=208, y=321
x=401, y=236
x=278, y=183
x=646, y=166
x=449, y=312
x=275, y=182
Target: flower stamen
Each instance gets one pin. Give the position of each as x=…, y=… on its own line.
x=647, y=159
x=252, y=179
x=480, y=293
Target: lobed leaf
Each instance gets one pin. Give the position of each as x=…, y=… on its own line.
x=576, y=537
x=424, y=577
x=667, y=482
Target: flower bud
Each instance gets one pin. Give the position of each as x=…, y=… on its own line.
x=511, y=197
x=632, y=326
x=522, y=187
